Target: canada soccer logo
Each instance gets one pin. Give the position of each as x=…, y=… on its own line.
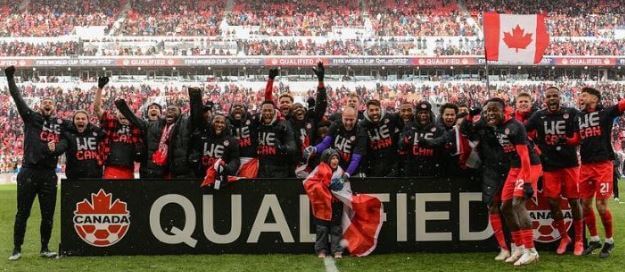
x=101, y=222
x=543, y=225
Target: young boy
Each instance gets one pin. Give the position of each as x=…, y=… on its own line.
x=327, y=209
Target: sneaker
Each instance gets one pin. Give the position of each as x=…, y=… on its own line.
x=515, y=255
x=606, y=250
x=564, y=242
x=592, y=245
x=16, y=255
x=46, y=253
x=579, y=248
x=530, y=256
x=616, y=199
x=503, y=255
x=338, y=255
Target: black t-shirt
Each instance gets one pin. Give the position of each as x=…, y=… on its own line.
x=348, y=142
x=595, y=131
x=550, y=127
x=509, y=134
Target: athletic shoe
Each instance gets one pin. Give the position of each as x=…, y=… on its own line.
x=16, y=255
x=503, y=255
x=47, y=254
x=530, y=256
x=515, y=255
x=564, y=242
x=338, y=255
x=592, y=245
x=579, y=248
x=606, y=250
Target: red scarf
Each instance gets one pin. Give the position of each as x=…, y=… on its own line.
x=160, y=156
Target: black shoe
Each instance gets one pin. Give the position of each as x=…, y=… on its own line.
x=592, y=245
x=605, y=251
x=16, y=255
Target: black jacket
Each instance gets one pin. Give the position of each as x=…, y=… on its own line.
x=81, y=152
x=207, y=147
x=38, y=131
x=276, y=145
x=382, y=158
x=178, y=165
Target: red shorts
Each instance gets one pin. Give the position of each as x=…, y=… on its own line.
x=595, y=180
x=554, y=181
x=513, y=187
x=118, y=172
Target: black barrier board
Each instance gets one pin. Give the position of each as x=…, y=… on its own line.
x=101, y=217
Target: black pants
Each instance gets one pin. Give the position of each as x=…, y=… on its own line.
x=31, y=183
x=329, y=233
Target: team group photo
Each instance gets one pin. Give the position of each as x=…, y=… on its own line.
x=284, y=135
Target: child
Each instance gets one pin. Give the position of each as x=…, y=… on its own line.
x=326, y=208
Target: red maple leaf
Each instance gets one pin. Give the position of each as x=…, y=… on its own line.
x=517, y=40
x=101, y=204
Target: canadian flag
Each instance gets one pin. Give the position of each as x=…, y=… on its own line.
x=515, y=39
x=362, y=214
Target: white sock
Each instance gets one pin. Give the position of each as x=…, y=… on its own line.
x=609, y=240
x=594, y=239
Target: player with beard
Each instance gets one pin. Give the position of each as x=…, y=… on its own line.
x=167, y=140
x=275, y=141
x=348, y=138
x=382, y=130
x=520, y=184
x=553, y=125
x=494, y=170
x=244, y=128
x=37, y=177
x=213, y=144
x=421, y=158
x=406, y=114
x=80, y=144
x=595, y=131
x=122, y=141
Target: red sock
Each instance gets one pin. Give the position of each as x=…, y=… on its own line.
x=495, y=222
x=589, y=218
x=561, y=226
x=516, y=238
x=528, y=238
x=606, y=219
x=579, y=229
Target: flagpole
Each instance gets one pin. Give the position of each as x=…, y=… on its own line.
x=486, y=70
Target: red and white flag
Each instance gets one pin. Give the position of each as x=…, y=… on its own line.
x=515, y=39
x=362, y=214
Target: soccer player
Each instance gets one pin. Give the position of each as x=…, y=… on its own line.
x=494, y=171
x=521, y=182
x=80, y=143
x=348, y=138
x=421, y=157
x=275, y=141
x=553, y=125
x=122, y=141
x=36, y=177
x=382, y=130
x=215, y=145
x=595, y=130
x=167, y=139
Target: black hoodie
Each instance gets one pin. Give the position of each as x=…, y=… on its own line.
x=81, y=152
x=276, y=145
x=419, y=158
x=382, y=157
x=207, y=147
